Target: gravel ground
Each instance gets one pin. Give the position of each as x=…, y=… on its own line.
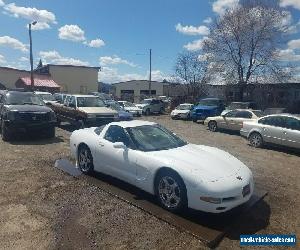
x=44, y=208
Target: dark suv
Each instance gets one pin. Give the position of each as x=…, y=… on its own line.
x=24, y=111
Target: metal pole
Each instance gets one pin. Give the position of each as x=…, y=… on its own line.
x=31, y=59
x=150, y=74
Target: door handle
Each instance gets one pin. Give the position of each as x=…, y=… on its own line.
x=101, y=144
x=284, y=132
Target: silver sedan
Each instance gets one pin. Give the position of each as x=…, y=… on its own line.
x=280, y=129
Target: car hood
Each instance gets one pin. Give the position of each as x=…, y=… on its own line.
x=202, y=162
x=97, y=110
x=205, y=107
x=28, y=108
x=142, y=105
x=133, y=108
x=178, y=111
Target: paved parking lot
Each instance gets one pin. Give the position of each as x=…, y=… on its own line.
x=44, y=208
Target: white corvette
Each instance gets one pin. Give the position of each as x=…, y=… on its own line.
x=154, y=159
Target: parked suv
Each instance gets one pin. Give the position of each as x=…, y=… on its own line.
x=24, y=111
x=151, y=105
x=206, y=108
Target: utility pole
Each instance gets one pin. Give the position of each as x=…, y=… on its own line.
x=31, y=56
x=150, y=73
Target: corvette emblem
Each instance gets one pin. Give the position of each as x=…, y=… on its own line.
x=239, y=178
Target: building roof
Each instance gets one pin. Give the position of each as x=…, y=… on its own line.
x=40, y=81
x=67, y=65
x=20, y=70
x=136, y=81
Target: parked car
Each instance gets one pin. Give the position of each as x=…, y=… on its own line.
x=280, y=129
x=182, y=111
x=131, y=108
x=232, y=120
x=239, y=105
x=103, y=96
x=46, y=97
x=151, y=105
x=122, y=114
x=60, y=97
x=207, y=107
x=156, y=160
x=84, y=111
x=24, y=112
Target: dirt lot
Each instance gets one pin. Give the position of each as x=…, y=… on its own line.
x=44, y=208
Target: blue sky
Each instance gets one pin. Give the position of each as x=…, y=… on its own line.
x=116, y=34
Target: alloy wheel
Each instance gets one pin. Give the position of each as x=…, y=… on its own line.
x=169, y=192
x=84, y=160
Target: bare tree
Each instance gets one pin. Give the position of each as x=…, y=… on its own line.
x=243, y=44
x=191, y=69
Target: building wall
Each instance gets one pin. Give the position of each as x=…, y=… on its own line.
x=8, y=76
x=137, y=89
x=75, y=80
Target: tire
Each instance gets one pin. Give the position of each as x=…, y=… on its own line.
x=171, y=191
x=5, y=133
x=256, y=140
x=195, y=120
x=147, y=113
x=213, y=126
x=85, y=160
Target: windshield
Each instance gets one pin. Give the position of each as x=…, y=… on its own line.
x=89, y=102
x=209, y=102
x=146, y=101
x=184, y=107
x=47, y=97
x=115, y=106
x=23, y=98
x=258, y=113
x=154, y=138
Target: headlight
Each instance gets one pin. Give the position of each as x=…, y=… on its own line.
x=52, y=116
x=11, y=115
x=91, y=116
x=211, y=199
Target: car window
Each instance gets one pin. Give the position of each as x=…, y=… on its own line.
x=155, y=102
x=243, y=114
x=72, y=102
x=117, y=134
x=292, y=123
x=276, y=121
x=67, y=99
x=231, y=113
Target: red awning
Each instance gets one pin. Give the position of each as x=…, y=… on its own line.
x=40, y=81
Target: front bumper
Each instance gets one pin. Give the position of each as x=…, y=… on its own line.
x=230, y=200
x=180, y=116
x=135, y=112
x=29, y=126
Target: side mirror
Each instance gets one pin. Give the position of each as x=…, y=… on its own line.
x=119, y=145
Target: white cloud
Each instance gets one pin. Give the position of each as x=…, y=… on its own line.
x=294, y=44
x=13, y=43
x=55, y=58
x=109, y=60
x=112, y=75
x=192, y=30
x=292, y=3
x=220, y=6
x=288, y=55
x=1, y=3
x=96, y=43
x=32, y=14
x=2, y=59
x=40, y=26
x=72, y=33
x=207, y=20
x=24, y=59
x=195, y=45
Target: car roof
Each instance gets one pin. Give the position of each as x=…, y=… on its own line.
x=79, y=95
x=42, y=93
x=133, y=123
x=286, y=115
